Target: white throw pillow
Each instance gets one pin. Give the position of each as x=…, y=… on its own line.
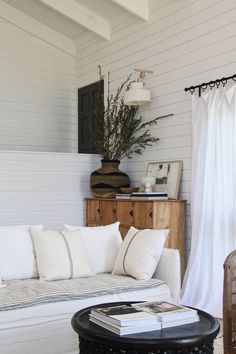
x=140, y=253
x=102, y=244
x=17, y=256
x=60, y=255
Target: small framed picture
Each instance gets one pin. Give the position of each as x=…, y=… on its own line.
x=167, y=176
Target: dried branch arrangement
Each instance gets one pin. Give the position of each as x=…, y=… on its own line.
x=118, y=131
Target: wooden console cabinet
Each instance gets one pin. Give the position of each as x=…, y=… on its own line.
x=142, y=214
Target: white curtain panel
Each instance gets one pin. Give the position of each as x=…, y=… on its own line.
x=213, y=201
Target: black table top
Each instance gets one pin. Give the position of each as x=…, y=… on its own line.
x=182, y=336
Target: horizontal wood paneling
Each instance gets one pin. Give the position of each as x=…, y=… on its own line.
x=37, y=94
x=184, y=42
x=38, y=112
x=36, y=28
x=44, y=188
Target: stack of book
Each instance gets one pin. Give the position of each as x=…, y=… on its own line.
x=149, y=195
x=142, y=317
x=123, y=195
x=124, y=319
x=168, y=314
x=143, y=195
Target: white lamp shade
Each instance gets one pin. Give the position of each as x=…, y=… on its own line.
x=137, y=95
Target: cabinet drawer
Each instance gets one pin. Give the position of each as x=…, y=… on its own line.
x=163, y=211
x=135, y=214
x=125, y=213
x=93, y=211
x=143, y=215
x=107, y=212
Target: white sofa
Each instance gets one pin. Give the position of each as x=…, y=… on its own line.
x=46, y=329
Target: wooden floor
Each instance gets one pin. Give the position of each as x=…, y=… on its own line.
x=218, y=343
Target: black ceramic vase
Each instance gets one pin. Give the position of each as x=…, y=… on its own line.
x=108, y=179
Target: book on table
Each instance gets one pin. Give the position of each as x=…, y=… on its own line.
x=149, y=195
x=179, y=322
x=142, y=317
x=123, y=330
x=124, y=315
x=123, y=195
x=166, y=311
x=147, y=198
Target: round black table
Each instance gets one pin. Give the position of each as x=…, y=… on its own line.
x=194, y=338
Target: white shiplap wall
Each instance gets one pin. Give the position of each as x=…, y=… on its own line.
x=185, y=42
x=44, y=188
x=38, y=113
x=37, y=93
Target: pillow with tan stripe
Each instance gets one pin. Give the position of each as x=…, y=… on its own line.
x=60, y=254
x=102, y=244
x=140, y=253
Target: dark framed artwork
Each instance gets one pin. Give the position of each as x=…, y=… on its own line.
x=88, y=96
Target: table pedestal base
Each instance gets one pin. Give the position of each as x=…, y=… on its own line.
x=88, y=347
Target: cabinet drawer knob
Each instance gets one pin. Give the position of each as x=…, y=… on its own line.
x=131, y=213
x=150, y=214
x=98, y=210
x=114, y=210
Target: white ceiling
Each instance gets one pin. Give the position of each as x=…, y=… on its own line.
x=73, y=17
x=103, y=8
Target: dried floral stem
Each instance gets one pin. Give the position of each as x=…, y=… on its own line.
x=118, y=132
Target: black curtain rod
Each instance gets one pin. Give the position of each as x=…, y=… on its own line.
x=211, y=84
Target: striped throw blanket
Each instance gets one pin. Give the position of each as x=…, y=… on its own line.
x=30, y=292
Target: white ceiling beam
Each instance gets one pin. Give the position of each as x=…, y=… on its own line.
x=81, y=16
x=36, y=28
x=138, y=8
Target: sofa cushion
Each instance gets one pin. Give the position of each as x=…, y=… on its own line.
x=60, y=254
x=102, y=244
x=30, y=292
x=17, y=256
x=140, y=253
